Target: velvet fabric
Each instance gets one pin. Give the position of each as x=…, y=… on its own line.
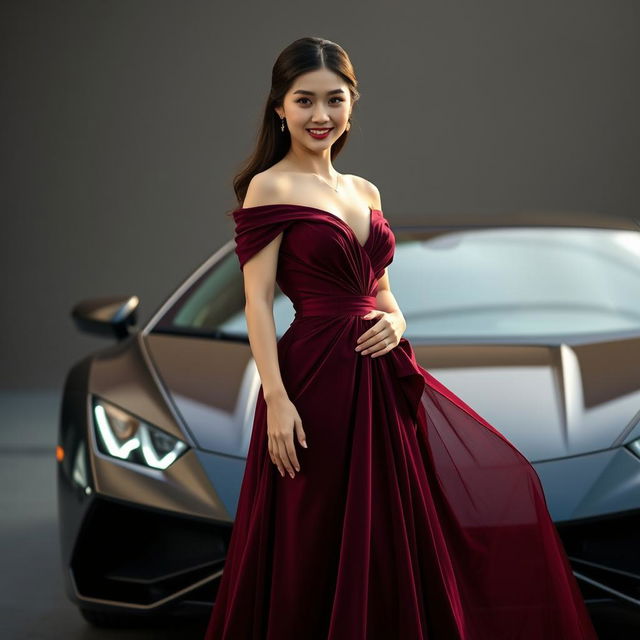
x=412, y=517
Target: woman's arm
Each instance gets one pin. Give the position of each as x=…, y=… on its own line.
x=385, y=334
x=385, y=300
x=259, y=288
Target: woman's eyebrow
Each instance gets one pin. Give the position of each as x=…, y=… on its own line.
x=311, y=93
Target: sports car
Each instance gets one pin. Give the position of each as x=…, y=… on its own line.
x=532, y=318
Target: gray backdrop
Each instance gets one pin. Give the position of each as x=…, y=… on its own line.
x=123, y=122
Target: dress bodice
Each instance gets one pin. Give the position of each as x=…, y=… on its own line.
x=320, y=255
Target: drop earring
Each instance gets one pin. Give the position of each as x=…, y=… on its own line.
x=282, y=124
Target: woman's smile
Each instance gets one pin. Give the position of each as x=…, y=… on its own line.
x=321, y=133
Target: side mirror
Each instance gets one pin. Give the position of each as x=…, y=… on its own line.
x=106, y=316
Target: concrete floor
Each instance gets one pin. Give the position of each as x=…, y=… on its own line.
x=33, y=604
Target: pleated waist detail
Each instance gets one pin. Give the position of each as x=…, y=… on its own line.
x=347, y=305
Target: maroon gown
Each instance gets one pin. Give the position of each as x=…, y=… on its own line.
x=411, y=516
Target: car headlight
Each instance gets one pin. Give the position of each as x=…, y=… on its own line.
x=121, y=435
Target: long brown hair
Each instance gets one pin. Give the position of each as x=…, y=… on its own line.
x=301, y=56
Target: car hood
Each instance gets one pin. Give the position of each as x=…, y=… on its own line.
x=549, y=401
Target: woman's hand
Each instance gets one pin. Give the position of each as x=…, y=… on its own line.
x=384, y=335
x=282, y=419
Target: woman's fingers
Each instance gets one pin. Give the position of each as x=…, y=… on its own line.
x=381, y=348
x=284, y=456
x=380, y=341
x=370, y=337
x=369, y=343
x=302, y=439
x=382, y=324
x=281, y=446
x=291, y=450
x=382, y=336
x=274, y=456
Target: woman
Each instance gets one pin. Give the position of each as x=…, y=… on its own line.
x=375, y=503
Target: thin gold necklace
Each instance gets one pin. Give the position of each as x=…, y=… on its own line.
x=330, y=186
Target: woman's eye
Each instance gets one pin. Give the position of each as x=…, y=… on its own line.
x=299, y=100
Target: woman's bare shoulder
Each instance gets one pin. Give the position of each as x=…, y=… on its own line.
x=270, y=186
x=368, y=190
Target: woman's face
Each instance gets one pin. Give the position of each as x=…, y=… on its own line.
x=317, y=100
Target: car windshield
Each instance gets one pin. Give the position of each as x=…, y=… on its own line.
x=481, y=283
